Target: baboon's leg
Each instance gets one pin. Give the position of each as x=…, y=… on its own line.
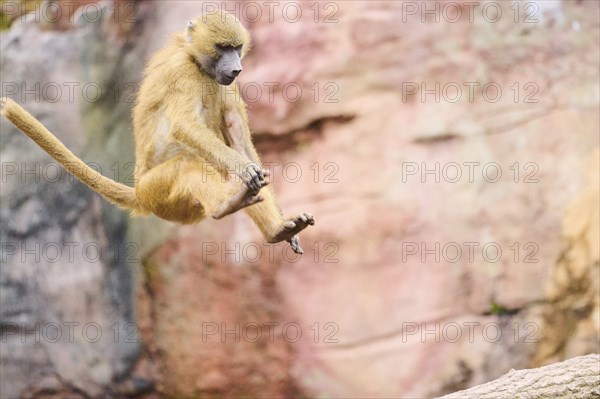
x=266, y=215
x=269, y=219
x=187, y=190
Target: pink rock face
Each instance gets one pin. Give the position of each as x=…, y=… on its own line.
x=438, y=159
x=439, y=156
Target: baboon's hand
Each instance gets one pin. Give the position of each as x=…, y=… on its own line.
x=254, y=176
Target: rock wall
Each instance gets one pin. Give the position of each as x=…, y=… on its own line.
x=67, y=288
x=424, y=144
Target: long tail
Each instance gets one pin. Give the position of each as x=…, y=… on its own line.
x=117, y=193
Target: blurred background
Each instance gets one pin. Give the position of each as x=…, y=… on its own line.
x=449, y=153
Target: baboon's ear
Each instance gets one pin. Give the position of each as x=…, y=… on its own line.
x=191, y=26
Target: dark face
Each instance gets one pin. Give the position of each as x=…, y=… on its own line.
x=227, y=66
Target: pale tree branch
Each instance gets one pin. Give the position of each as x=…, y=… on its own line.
x=574, y=378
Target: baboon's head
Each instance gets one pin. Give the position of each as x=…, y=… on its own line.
x=218, y=42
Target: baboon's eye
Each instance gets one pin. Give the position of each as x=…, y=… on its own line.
x=222, y=47
x=239, y=48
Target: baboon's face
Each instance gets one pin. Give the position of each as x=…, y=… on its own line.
x=218, y=42
x=227, y=65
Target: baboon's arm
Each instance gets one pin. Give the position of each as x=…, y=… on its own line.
x=200, y=139
x=189, y=130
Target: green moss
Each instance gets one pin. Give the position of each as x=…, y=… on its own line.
x=16, y=10
x=4, y=21
x=151, y=270
x=497, y=309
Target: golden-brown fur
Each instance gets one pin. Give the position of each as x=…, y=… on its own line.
x=191, y=138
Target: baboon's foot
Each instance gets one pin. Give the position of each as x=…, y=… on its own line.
x=245, y=197
x=291, y=228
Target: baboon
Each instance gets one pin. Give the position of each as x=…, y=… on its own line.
x=192, y=137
